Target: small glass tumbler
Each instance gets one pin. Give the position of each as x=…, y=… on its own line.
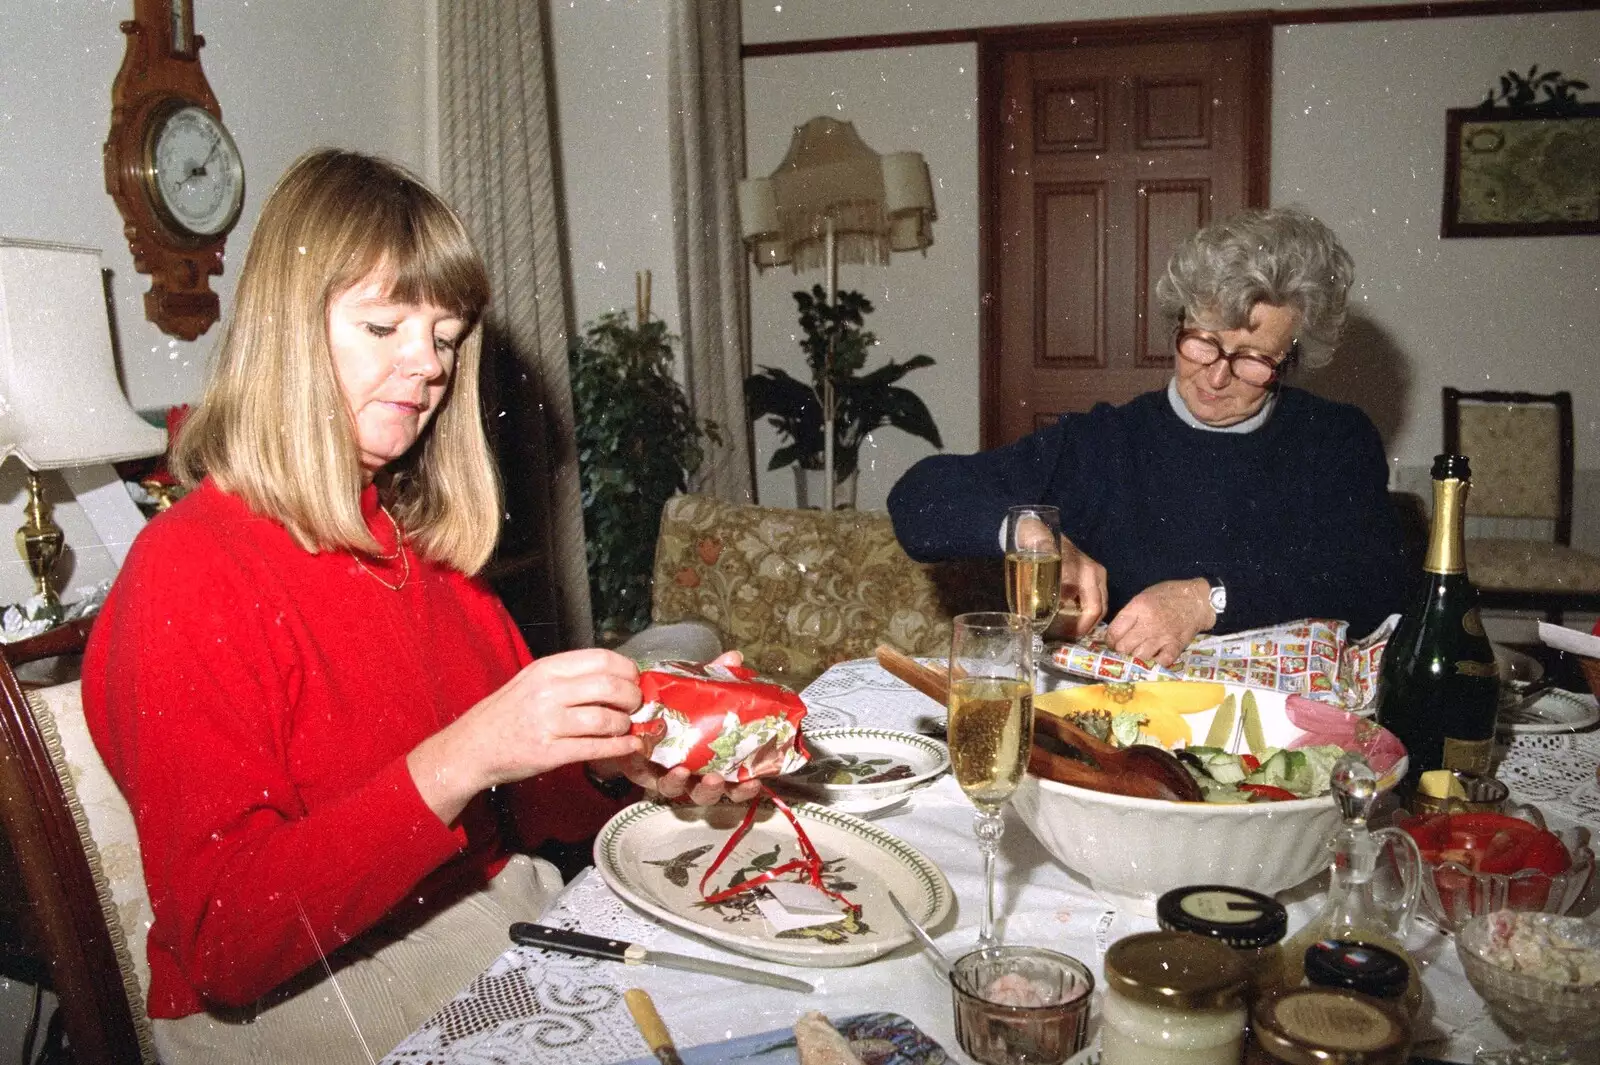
x=1020, y=1005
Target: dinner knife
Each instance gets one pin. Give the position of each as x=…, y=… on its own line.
x=569, y=942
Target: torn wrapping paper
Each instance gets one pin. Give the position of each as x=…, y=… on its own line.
x=719, y=719
x=1310, y=657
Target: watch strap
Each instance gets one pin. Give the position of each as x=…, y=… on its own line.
x=615, y=788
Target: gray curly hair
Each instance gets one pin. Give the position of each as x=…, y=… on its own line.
x=1278, y=255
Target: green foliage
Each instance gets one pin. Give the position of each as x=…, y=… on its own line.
x=1522, y=93
x=864, y=402
x=638, y=443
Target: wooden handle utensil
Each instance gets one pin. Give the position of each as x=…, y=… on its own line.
x=934, y=683
x=649, y=1023
x=1141, y=770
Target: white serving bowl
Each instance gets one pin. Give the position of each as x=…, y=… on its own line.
x=1133, y=850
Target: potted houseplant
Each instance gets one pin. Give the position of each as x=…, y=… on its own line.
x=836, y=342
x=638, y=444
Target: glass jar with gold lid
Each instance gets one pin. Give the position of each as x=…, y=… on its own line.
x=1251, y=923
x=1326, y=1026
x=1173, y=998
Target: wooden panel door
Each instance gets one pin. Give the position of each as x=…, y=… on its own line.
x=1099, y=153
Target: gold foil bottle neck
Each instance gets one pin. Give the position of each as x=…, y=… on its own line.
x=1446, y=549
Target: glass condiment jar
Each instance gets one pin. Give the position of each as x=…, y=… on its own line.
x=1361, y=967
x=1326, y=1026
x=1172, y=998
x=1250, y=923
x=1360, y=907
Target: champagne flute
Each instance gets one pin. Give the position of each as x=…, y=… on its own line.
x=991, y=727
x=1033, y=566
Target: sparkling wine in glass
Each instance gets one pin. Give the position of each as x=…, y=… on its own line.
x=1033, y=566
x=991, y=727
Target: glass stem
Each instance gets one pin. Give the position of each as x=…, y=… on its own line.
x=989, y=826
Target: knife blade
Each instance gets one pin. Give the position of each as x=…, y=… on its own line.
x=569, y=942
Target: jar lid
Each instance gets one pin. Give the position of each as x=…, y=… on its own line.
x=1326, y=1026
x=1239, y=917
x=1175, y=969
x=1362, y=967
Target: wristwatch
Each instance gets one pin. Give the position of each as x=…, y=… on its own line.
x=1219, y=596
x=614, y=788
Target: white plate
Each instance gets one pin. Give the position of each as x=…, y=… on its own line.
x=654, y=854
x=848, y=766
x=1554, y=711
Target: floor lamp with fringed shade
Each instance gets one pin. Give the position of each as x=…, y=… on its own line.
x=833, y=197
x=61, y=406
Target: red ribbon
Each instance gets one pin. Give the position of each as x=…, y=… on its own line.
x=809, y=863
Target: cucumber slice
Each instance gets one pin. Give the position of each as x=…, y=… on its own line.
x=1220, y=734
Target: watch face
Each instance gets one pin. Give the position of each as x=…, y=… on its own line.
x=197, y=175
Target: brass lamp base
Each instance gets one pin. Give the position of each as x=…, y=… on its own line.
x=39, y=542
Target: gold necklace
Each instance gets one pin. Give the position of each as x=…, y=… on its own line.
x=399, y=551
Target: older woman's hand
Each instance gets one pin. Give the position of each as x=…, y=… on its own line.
x=1083, y=579
x=1158, y=623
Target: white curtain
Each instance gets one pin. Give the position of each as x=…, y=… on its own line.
x=706, y=131
x=497, y=170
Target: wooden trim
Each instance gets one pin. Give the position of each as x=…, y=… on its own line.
x=55, y=873
x=991, y=80
x=1307, y=16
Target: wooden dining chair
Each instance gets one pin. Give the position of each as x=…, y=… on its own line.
x=74, y=854
x=1519, y=511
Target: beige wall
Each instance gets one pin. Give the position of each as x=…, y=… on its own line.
x=1358, y=135
x=290, y=75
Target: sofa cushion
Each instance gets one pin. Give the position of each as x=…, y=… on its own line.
x=799, y=590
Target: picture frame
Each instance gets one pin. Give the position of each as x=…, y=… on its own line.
x=1522, y=173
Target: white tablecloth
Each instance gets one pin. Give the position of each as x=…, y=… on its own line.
x=534, y=1008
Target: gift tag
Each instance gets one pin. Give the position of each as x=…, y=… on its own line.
x=790, y=905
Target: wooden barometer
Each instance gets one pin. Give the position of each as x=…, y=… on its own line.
x=172, y=167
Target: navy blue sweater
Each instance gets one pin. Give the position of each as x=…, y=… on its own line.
x=1293, y=518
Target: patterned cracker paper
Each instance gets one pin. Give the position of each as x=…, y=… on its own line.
x=726, y=720
x=1310, y=657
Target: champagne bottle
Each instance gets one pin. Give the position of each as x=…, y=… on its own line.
x=1438, y=689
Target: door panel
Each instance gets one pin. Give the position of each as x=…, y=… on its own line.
x=1100, y=152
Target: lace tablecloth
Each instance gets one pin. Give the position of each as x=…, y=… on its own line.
x=534, y=1008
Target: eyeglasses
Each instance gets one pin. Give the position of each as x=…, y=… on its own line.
x=1201, y=348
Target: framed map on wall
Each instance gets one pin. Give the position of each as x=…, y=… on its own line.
x=1521, y=174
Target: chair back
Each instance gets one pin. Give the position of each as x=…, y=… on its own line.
x=77, y=860
x=1520, y=447
x=799, y=590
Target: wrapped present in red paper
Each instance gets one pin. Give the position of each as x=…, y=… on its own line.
x=719, y=719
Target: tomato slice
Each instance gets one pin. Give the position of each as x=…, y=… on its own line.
x=1487, y=843
x=1250, y=762
x=1267, y=793
x=1547, y=854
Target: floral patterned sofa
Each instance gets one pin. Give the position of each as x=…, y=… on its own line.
x=799, y=590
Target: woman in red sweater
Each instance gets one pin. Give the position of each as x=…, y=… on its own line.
x=298, y=681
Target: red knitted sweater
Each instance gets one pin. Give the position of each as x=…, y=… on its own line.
x=256, y=704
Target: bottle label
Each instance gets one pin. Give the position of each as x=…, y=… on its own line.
x=1476, y=669
x=1468, y=756
x=1472, y=622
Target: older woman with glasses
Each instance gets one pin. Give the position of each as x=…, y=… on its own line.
x=1224, y=502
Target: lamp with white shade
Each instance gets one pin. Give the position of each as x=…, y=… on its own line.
x=61, y=407
x=832, y=197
